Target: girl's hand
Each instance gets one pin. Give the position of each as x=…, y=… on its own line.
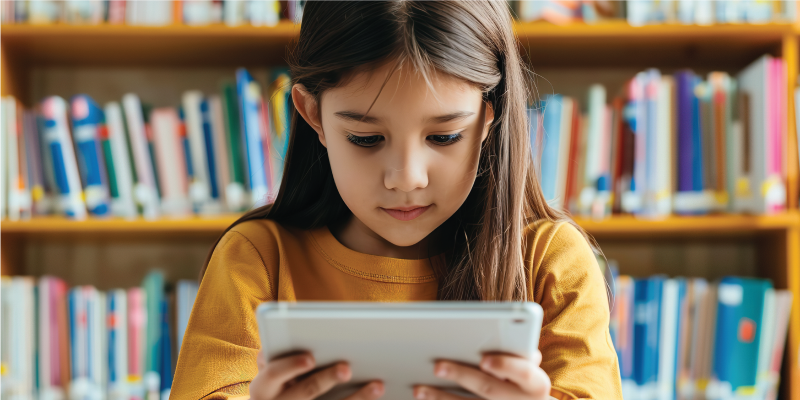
x=278, y=379
x=500, y=377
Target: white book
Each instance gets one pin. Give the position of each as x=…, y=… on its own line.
x=565, y=135
x=233, y=12
x=197, y=12
x=4, y=167
x=21, y=372
x=145, y=191
x=264, y=12
x=783, y=307
x=639, y=12
x=44, y=332
x=753, y=83
x=594, y=147
x=664, y=150
x=704, y=12
x=123, y=205
x=199, y=187
x=57, y=137
x=187, y=293
x=766, y=341
x=171, y=162
x=668, y=340
x=5, y=328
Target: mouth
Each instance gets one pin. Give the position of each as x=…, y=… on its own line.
x=406, y=213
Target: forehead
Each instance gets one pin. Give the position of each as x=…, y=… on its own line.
x=406, y=93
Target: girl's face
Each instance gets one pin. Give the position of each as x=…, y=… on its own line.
x=412, y=161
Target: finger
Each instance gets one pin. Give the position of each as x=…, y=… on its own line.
x=430, y=393
x=515, y=369
x=261, y=361
x=373, y=390
x=285, y=369
x=477, y=381
x=319, y=383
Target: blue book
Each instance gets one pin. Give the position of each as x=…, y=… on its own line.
x=252, y=133
x=211, y=162
x=65, y=167
x=166, y=371
x=740, y=304
x=697, y=141
x=87, y=121
x=550, y=145
x=646, y=327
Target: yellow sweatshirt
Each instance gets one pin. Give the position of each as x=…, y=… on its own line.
x=260, y=261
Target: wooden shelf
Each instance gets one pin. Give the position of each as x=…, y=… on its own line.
x=710, y=225
x=614, y=226
x=612, y=43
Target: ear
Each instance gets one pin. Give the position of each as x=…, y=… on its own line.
x=306, y=105
x=488, y=119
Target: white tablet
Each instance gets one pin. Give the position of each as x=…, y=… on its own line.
x=398, y=342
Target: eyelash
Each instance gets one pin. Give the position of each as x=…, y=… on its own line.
x=371, y=141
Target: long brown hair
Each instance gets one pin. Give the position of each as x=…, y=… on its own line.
x=470, y=40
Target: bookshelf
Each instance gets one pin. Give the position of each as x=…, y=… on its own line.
x=772, y=242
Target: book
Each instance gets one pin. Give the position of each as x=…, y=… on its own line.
x=171, y=162
x=145, y=190
x=58, y=139
x=87, y=122
x=251, y=111
x=118, y=163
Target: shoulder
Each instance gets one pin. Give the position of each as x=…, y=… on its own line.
x=559, y=259
x=256, y=246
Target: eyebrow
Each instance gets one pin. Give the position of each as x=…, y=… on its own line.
x=358, y=117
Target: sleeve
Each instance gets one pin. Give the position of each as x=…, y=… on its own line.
x=218, y=356
x=577, y=352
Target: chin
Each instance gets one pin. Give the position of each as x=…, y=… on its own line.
x=402, y=236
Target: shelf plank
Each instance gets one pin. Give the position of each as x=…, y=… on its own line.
x=707, y=225
x=611, y=43
x=616, y=225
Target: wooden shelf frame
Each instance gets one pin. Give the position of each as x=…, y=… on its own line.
x=606, y=44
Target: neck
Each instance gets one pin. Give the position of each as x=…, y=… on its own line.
x=353, y=234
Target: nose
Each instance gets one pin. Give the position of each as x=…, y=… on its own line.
x=406, y=169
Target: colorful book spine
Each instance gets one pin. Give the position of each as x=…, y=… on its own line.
x=200, y=186
x=550, y=135
x=145, y=190
x=171, y=162
x=118, y=163
x=87, y=122
x=235, y=191
x=250, y=108
x=57, y=137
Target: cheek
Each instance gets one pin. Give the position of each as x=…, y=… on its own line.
x=353, y=169
x=455, y=174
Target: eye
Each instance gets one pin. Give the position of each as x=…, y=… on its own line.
x=444, y=140
x=364, y=141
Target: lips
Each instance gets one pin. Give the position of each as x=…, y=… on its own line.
x=406, y=213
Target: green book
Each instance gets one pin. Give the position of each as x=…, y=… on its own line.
x=232, y=117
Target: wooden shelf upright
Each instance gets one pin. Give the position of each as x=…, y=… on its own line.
x=605, y=45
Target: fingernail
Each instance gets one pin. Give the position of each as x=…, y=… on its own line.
x=341, y=372
x=420, y=394
x=442, y=371
x=376, y=389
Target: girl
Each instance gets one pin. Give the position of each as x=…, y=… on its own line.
x=408, y=177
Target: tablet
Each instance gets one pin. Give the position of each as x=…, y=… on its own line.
x=398, y=342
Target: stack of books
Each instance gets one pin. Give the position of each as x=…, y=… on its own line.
x=688, y=338
x=649, y=12
x=668, y=144
x=212, y=154
x=151, y=12
x=87, y=344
